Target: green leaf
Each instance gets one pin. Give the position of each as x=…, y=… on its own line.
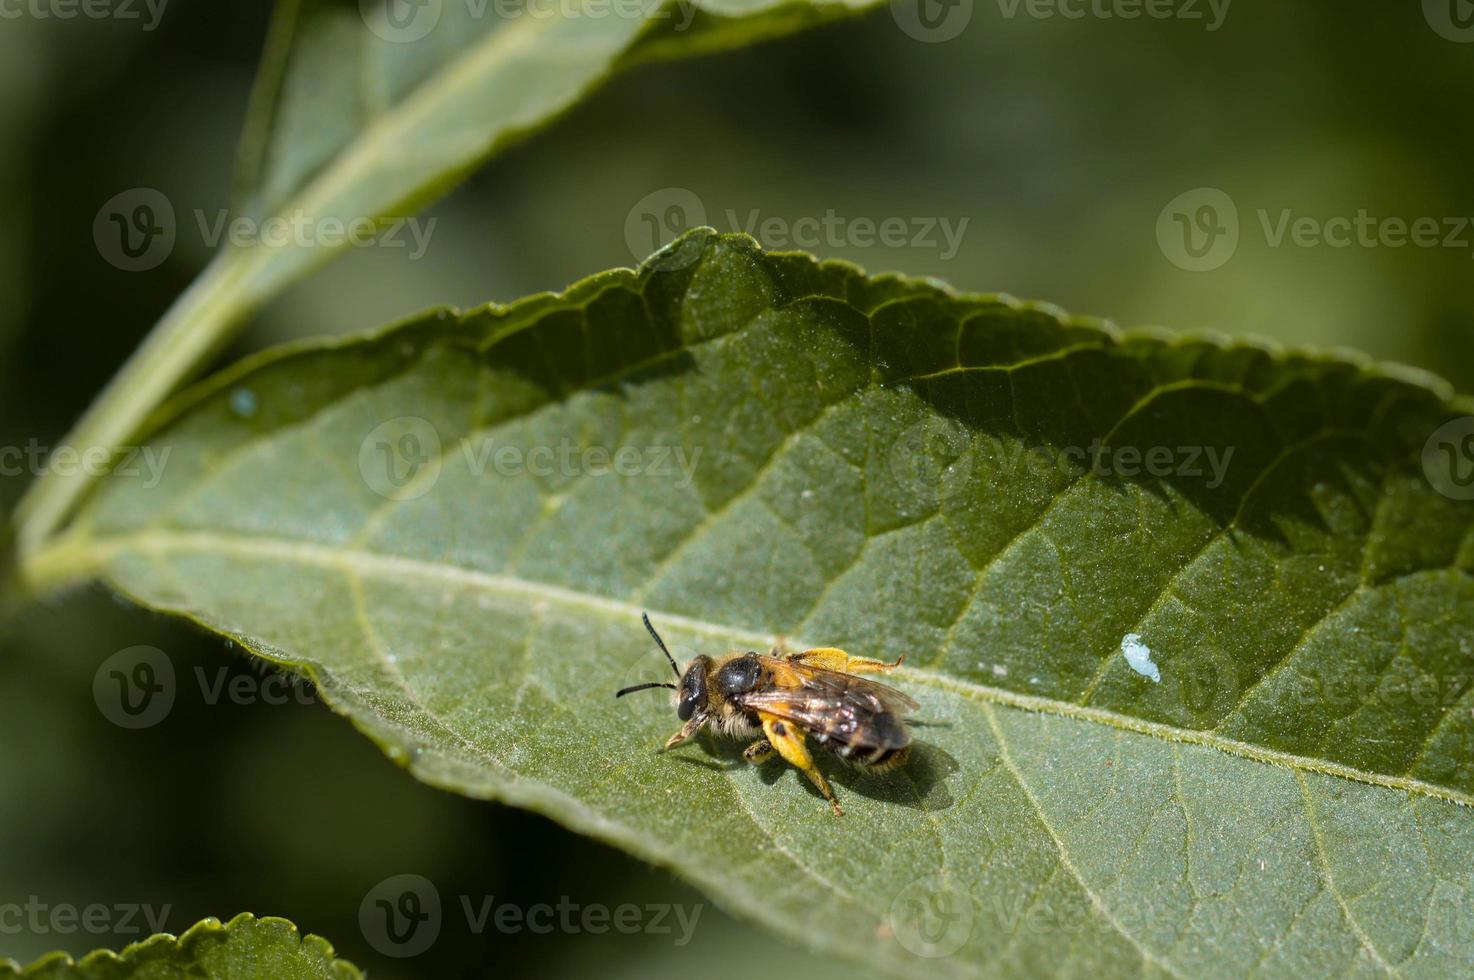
x=359, y=116
x=887, y=466
x=244, y=947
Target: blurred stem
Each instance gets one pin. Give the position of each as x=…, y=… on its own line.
x=199, y=322
x=61, y=562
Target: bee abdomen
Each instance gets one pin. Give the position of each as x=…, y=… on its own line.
x=879, y=741
x=874, y=757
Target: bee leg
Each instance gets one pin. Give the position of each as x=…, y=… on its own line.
x=687, y=730
x=759, y=752
x=788, y=740
x=832, y=658
x=780, y=647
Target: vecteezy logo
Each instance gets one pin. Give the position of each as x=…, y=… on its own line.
x=656, y=220
x=400, y=916
x=401, y=458
x=134, y=688
x=932, y=21
x=1448, y=458
x=1452, y=20
x=400, y=21
x=1200, y=681
x=134, y=230
x=931, y=460
x=1198, y=230
x=931, y=918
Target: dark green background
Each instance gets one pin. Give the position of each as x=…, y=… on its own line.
x=1059, y=140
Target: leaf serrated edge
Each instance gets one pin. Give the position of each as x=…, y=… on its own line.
x=522, y=313
x=184, y=943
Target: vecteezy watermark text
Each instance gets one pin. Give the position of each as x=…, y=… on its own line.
x=307, y=231
x=935, y=21
x=37, y=459
x=1199, y=230
x=136, y=230
x=1211, y=12
x=835, y=230
x=402, y=916
x=662, y=215
x=137, y=687
x=407, y=21
x=1355, y=689
x=38, y=917
x=402, y=459
x=938, y=458
x=147, y=11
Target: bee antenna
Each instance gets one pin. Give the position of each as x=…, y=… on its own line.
x=660, y=643
x=643, y=687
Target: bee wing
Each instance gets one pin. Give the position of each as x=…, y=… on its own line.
x=814, y=697
x=853, y=687
x=858, y=719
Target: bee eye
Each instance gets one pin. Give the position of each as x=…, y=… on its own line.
x=693, y=692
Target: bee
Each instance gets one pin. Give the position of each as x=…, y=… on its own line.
x=781, y=697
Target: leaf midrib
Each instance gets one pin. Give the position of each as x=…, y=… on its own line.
x=84, y=554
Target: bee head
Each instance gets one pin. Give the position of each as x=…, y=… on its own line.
x=692, y=692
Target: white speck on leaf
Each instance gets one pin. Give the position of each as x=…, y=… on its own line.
x=243, y=402
x=1139, y=657
x=999, y=670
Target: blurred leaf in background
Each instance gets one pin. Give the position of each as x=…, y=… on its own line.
x=1059, y=141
